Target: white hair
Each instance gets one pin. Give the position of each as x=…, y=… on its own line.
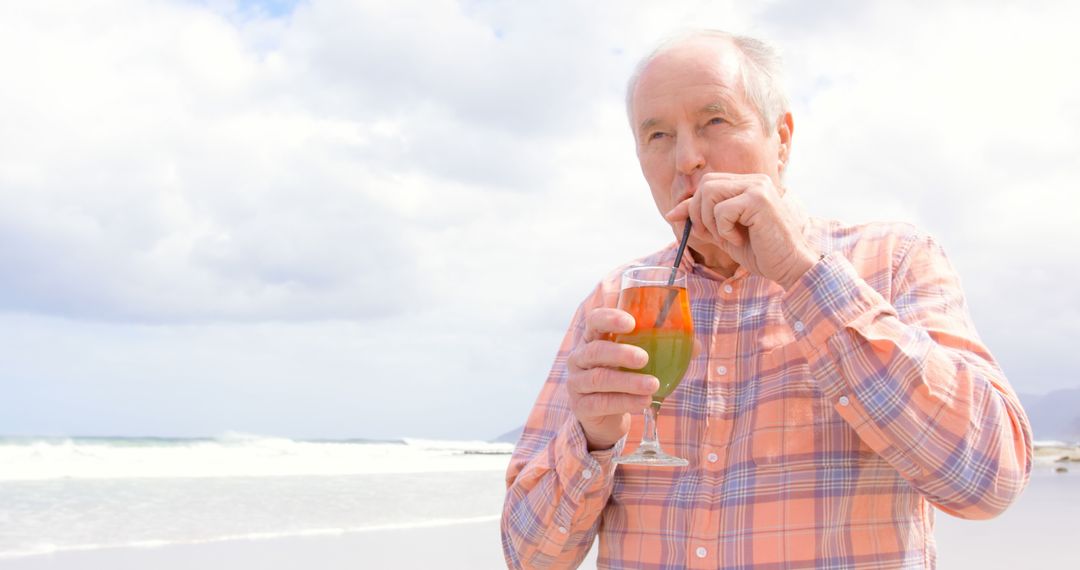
x=761, y=70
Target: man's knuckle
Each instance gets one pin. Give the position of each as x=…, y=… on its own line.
x=600, y=378
x=587, y=383
x=590, y=325
x=574, y=382
x=573, y=360
x=592, y=352
x=607, y=319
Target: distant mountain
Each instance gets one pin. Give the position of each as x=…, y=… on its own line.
x=1055, y=415
x=510, y=436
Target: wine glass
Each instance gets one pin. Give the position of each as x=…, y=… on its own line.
x=656, y=297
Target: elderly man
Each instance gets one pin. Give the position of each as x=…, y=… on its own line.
x=839, y=393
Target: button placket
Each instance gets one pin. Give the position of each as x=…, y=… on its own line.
x=720, y=373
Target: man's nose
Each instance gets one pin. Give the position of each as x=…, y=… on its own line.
x=689, y=155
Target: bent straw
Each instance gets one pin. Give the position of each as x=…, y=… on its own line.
x=671, y=280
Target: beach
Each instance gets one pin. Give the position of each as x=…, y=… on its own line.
x=440, y=510
x=463, y=545
x=1039, y=531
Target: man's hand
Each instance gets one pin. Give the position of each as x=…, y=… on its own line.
x=601, y=395
x=745, y=215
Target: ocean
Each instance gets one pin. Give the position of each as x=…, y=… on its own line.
x=61, y=495
x=62, y=500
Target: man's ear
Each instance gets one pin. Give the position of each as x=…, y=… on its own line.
x=785, y=127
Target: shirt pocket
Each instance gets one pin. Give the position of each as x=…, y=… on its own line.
x=789, y=413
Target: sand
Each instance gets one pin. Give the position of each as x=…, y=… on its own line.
x=474, y=545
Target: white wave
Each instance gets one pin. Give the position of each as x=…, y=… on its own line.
x=237, y=456
x=46, y=548
x=1051, y=443
x=460, y=446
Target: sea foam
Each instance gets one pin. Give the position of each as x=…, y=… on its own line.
x=237, y=455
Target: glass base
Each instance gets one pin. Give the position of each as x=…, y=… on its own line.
x=651, y=455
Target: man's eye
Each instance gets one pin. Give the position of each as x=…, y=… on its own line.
x=655, y=136
x=716, y=121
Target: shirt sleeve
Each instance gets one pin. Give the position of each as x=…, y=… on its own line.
x=556, y=488
x=911, y=376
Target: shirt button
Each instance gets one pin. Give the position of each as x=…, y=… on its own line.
x=701, y=552
x=712, y=457
x=728, y=289
x=721, y=370
x=586, y=474
x=799, y=326
x=562, y=529
x=844, y=400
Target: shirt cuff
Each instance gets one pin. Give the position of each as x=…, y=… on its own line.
x=587, y=479
x=580, y=470
x=830, y=296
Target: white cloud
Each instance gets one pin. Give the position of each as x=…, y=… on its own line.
x=397, y=189
x=158, y=177
x=960, y=120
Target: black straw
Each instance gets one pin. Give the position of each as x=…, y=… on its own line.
x=671, y=280
x=678, y=254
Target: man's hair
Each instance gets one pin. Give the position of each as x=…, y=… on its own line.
x=760, y=67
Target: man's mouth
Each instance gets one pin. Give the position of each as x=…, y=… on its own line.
x=684, y=188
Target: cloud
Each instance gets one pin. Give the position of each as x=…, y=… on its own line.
x=408, y=185
x=155, y=178
x=959, y=122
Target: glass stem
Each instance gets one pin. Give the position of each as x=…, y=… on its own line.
x=650, y=439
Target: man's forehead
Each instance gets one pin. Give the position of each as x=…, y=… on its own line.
x=708, y=65
x=712, y=56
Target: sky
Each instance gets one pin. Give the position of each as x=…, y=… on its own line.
x=339, y=219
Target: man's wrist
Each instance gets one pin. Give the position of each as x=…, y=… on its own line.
x=592, y=446
x=803, y=264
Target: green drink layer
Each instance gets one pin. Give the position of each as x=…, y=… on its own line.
x=669, y=356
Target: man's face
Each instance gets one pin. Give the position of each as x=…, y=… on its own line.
x=691, y=116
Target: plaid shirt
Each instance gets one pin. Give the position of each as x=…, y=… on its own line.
x=821, y=424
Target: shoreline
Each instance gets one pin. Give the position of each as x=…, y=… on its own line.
x=1056, y=455
x=471, y=544
x=252, y=537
